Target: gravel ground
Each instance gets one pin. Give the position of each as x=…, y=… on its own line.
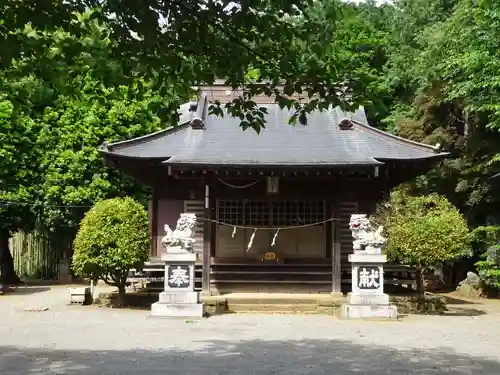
x=89, y=340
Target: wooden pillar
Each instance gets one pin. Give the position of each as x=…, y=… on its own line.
x=207, y=226
x=335, y=246
x=328, y=229
x=154, y=224
x=336, y=269
x=213, y=226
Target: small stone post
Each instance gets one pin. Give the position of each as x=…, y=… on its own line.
x=64, y=275
x=179, y=298
x=367, y=299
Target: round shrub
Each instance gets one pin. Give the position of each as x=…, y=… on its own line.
x=424, y=232
x=113, y=237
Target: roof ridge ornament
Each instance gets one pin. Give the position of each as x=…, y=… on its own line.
x=197, y=123
x=346, y=124
x=193, y=106
x=198, y=115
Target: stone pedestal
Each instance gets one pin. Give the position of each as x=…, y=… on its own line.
x=178, y=298
x=64, y=276
x=80, y=295
x=367, y=299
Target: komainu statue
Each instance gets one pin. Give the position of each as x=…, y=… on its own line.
x=182, y=238
x=364, y=235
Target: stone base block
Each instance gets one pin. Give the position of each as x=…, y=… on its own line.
x=178, y=310
x=179, y=256
x=367, y=299
x=369, y=312
x=364, y=258
x=80, y=295
x=179, y=297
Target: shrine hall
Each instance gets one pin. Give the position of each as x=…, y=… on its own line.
x=273, y=207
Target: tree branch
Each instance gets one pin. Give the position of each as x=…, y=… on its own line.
x=109, y=282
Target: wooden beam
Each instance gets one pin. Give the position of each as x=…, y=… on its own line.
x=336, y=267
x=205, y=284
x=154, y=223
x=213, y=226
x=329, y=212
x=335, y=247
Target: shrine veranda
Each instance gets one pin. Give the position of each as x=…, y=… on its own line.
x=273, y=208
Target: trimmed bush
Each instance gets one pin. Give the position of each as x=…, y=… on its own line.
x=423, y=232
x=113, y=238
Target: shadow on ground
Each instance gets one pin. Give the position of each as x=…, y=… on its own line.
x=463, y=311
x=36, y=282
x=26, y=290
x=454, y=300
x=458, y=306
x=242, y=358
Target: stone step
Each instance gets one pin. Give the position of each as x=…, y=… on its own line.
x=181, y=310
x=294, y=308
x=278, y=298
x=282, y=303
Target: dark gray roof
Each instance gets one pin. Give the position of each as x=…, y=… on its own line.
x=322, y=142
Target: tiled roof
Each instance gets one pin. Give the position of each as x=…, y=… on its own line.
x=322, y=142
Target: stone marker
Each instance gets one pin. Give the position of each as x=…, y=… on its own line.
x=80, y=295
x=472, y=286
x=179, y=298
x=367, y=299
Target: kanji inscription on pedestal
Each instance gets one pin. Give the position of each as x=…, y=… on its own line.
x=178, y=276
x=369, y=277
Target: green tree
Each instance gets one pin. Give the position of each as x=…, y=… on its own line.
x=461, y=59
x=18, y=167
x=485, y=241
x=438, y=80
x=423, y=232
x=197, y=42
x=98, y=103
x=113, y=238
x=60, y=101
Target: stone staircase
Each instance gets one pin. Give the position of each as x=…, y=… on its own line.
x=258, y=277
x=275, y=303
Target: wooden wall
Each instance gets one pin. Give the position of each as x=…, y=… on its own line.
x=343, y=233
x=168, y=212
x=197, y=207
x=294, y=243
x=343, y=197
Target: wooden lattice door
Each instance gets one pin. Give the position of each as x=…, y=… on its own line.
x=264, y=218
